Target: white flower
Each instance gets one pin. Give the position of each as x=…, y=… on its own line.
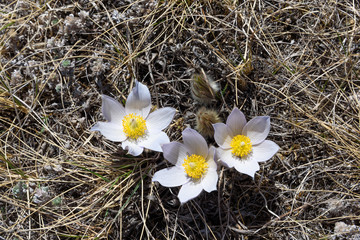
x=195, y=167
x=242, y=145
x=133, y=125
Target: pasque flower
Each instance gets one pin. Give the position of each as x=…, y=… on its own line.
x=195, y=166
x=133, y=125
x=242, y=144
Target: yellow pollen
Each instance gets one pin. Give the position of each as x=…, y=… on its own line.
x=195, y=166
x=134, y=126
x=240, y=145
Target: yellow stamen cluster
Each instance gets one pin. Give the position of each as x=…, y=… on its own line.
x=195, y=166
x=240, y=145
x=134, y=126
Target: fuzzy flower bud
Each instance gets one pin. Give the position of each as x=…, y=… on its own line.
x=205, y=118
x=203, y=88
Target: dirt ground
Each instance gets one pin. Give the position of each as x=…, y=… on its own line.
x=295, y=61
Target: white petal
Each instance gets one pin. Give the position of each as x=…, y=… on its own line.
x=112, y=110
x=171, y=177
x=264, y=151
x=139, y=100
x=246, y=167
x=212, y=158
x=109, y=130
x=154, y=141
x=132, y=148
x=222, y=135
x=236, y=121
x=226, y=157
x=194, y=142
x=175, y=153
x=160, y=119
x=210, y=180
x=189, y=191
x=257, y=129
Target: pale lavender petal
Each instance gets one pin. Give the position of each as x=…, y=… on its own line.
x=109, y=130
x=194, y=142
x=154, y=141
x=175, y=153
x=246, y=167
x=222, y=135
x=171, y=177
x=160, y=119
x=209, y=182
x=236, y=121
x=139, y=100
x=112, y=110
x=132, y=148
x=226, y=157
x=264, y=151
x=257, y=129
x=189, y=191
x=212, y=158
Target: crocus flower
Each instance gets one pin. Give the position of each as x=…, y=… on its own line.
x=195, y=167
x=133, y=125
x=242, y=144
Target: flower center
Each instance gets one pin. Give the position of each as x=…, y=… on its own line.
x=134, y=126
x=195, y=166
x=240, y=145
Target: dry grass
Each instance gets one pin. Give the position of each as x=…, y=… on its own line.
x=296, y=61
